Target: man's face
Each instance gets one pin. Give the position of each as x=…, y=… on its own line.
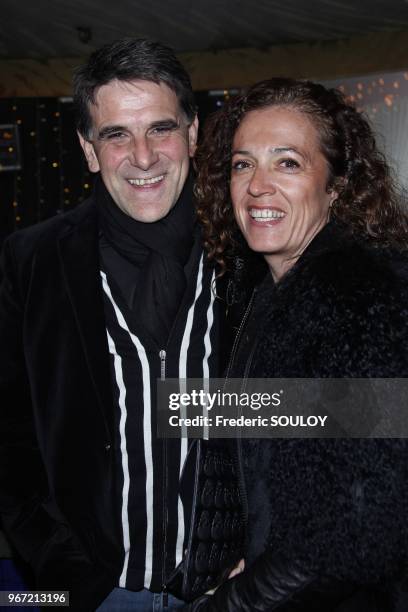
x=141, y=143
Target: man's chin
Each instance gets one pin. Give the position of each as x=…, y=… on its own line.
x=147, y=214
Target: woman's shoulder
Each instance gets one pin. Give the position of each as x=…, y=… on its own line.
x=351, y=271
x=345, y=309
x=336, y=250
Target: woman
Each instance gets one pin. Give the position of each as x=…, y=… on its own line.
x=294, y=171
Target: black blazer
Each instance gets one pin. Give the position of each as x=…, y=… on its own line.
x=55, y=414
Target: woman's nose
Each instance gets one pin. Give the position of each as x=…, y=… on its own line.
x=262, y=182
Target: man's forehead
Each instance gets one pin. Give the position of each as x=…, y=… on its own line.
x=135, y=93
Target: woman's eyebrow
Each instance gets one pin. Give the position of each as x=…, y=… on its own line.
x=285, y=150
x=272, y=150
x=288, y=149
x=240, y=152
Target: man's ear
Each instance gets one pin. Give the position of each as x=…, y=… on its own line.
x=192, y=137
x=90, y=155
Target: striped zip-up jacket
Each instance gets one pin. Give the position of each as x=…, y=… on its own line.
x=154, y=517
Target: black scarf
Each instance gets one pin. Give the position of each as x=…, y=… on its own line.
x=158, y=251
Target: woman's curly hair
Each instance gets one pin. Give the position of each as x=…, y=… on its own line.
x=367, y=201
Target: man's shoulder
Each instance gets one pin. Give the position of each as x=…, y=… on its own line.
x=46, y=233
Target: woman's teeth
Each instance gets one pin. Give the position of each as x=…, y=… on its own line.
x=265, y=214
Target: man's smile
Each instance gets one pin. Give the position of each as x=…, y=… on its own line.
x=140, y=182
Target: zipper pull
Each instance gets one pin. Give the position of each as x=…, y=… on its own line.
x=162, y=356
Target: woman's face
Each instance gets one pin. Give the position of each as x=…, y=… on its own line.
x=278, y=184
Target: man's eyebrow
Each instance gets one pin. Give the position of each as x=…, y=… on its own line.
x=167, y=123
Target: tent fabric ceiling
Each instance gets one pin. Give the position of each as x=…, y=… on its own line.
x=48, y=28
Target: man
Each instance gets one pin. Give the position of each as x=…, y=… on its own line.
x=95, y=305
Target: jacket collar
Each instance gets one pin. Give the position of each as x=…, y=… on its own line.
x=332, y=236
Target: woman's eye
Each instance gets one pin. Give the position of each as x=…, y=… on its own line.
x=240, y=164
x=289, y=163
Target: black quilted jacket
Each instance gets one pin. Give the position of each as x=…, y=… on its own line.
x=218, y=519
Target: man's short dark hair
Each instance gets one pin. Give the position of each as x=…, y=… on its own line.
x=130, y=59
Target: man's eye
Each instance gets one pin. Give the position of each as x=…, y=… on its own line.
x=240, y=164
x=162, y=130
x=115, y=136
x=112, y=136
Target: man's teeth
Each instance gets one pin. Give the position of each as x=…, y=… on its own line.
x=150, y=181
x=265, y=214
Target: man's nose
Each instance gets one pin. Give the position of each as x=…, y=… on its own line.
x=262, y=182
x=142, y=153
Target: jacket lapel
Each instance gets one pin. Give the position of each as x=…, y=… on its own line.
x=79, y=253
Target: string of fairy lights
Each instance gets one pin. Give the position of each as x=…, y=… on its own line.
x=384, y=100
x=52, y=175
x=372, y=93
